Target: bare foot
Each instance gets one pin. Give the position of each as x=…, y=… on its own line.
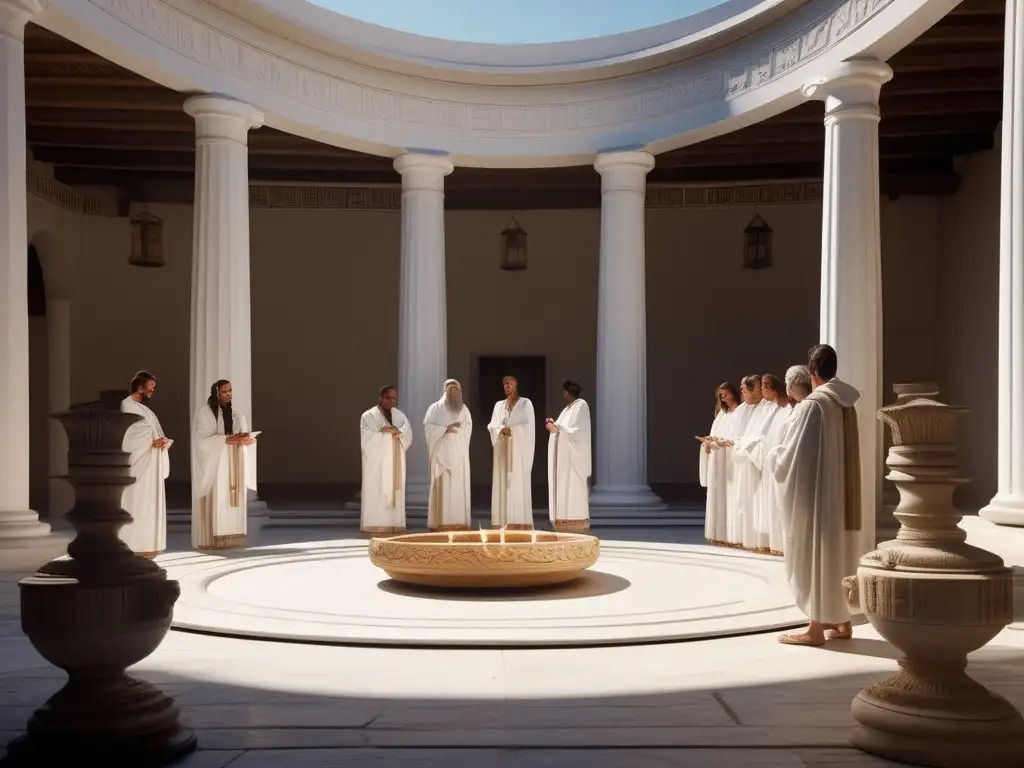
x=802, y=639
x=842, y=631
x=813, y=637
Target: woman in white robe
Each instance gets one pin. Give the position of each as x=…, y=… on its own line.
x=714, y=464
x=734, y=431
x=513, y=434
x=222, y=475
x=384, y=438
x=569, y=462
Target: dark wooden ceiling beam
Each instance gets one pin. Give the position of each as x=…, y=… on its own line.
x=965, y=81
x=260, y=142
x=182, y=160
x=927, y=60
x=982, y=32
x=109, y=120
x=979, y=8
x=90, y=97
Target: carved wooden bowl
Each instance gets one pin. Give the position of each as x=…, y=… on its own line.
x=485, y=559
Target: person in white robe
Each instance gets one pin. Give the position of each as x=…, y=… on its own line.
x=385, y=437
x=734, y=430
x=569, y=462
x=145, y=499
x=448, y=426
x=750, y=452
x=817, y=468
x=745, y=485
x=768, y=511
x=714, y=464
x=513, y=436
x=221, y=473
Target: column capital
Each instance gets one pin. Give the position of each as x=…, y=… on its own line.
x=632, y=159
x=222, y=117
x=15, y=14
x=423, y=169
x=851, y=88
x=624, y=171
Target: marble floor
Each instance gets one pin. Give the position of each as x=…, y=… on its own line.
x=735, y=702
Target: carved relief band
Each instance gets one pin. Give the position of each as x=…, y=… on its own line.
x=706, y=80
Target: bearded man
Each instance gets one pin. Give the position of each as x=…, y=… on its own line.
x=448, y=426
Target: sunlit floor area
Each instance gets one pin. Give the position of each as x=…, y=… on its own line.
x=736, y=701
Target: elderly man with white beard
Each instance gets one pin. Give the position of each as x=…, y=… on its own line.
x=448, y=426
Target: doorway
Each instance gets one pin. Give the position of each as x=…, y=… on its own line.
x=531, y=372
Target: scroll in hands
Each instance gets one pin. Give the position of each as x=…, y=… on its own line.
x=242, y=438
x=163, y=443
x=710, y=442
x=389, y=430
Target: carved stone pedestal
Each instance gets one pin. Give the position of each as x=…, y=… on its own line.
x=936, y=599
x=94, y=615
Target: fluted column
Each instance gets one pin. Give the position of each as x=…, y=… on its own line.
x=621, y=393
x=1007, y=507
x=423, y=304
x=851, y=255
x=25, y=543
x=221, y=323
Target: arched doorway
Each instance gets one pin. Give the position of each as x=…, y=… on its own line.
x=39, y=426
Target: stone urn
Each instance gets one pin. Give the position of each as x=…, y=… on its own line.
x=96, y=613
x=936, y=599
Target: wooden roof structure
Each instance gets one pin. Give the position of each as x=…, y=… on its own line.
x=99, y=124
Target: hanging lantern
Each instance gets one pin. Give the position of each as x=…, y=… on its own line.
x=513, y=247
x=757, y=244
x=147, y=240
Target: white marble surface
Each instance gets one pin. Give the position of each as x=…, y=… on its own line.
x=331, y=592
x=738, y=701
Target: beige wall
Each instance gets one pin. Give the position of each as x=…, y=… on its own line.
x=969, y=318
x=324, y=302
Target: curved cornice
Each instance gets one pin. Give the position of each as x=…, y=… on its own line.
x=571, y=61
x=191, y=45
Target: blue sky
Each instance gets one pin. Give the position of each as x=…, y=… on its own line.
x=517, y=21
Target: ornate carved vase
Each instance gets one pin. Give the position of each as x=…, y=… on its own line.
x=936, y=599
x=94, y=614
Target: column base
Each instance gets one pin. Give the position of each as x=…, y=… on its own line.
x=625, y=497
x=1004, y=509
x=26, y=543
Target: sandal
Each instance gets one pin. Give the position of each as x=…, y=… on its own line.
x=802, y=639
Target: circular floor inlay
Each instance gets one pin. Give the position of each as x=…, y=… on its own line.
x=329, y=592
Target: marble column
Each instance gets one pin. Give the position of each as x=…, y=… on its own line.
x=58, y=332
x=851, y=254
x=1007, y=507
x=25, y=542
x=221, y=328
x=423, y=304
x=620, y=476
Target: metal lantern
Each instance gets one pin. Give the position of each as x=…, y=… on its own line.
x=147, y=240
x=757, y=244
x=513, y=247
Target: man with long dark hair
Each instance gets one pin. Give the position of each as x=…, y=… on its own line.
x=145, y=499
x=221, y=475
x=569, y=462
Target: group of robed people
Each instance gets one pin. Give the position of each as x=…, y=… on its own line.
x=221, y=474
x=782, y=470
x=386, y=434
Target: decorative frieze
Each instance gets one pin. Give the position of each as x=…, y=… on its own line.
x=389, y=198
x=247, y=56
x=61, y=195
